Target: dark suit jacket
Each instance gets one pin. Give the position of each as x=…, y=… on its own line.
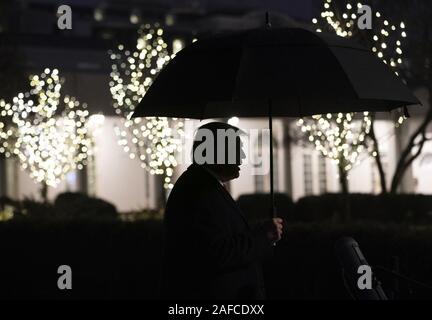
x=210, y=250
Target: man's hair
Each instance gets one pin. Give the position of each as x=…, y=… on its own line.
x=222, y=144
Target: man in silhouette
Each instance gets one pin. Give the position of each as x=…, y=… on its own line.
x=211, y=252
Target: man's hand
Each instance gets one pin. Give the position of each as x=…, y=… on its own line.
x=273, y=229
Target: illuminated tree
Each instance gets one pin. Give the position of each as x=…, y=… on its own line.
x=154, y=141
x=333, y=135
x=418, y=13
x=52, y=137
x=339, y=137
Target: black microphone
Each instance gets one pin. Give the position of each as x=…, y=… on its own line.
x=351, y=258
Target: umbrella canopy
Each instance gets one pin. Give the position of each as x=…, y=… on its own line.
x=286, y=72
x=303, y=73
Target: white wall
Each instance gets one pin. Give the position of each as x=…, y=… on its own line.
x=118, y=178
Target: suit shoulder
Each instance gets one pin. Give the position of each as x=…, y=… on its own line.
x=195, y=177
x=193, y=186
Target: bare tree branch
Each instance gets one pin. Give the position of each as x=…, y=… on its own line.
x=406, y=157
x=378, y=161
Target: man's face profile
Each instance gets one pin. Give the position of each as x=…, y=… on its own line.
x=220, y=149
x=232, y=171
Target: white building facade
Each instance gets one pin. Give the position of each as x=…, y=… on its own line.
x=299, y=169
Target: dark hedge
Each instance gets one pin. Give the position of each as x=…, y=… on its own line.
x=400, y=208
x=113, y=259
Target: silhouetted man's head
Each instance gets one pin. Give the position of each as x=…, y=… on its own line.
x=217, y=145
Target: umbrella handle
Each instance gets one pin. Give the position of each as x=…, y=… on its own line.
x=272, y=202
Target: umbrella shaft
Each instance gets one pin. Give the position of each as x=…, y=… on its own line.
x=272, y=204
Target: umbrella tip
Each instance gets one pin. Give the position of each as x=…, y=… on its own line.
x=268, y=23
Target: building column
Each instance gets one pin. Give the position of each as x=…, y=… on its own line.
x=83, y=185
x=3, y=176
x=160, y=192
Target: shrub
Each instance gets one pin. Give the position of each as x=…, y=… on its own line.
x=257, y=206
x=68, y=205
x=114, y=259
x=74, y=205
x=400, y=208
x=145, y=214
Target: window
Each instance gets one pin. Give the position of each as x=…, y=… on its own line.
x=262, y=183
x=322, y=174
x=258, y=178
x=307, y=174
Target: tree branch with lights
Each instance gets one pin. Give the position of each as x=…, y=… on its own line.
x=154, y=141
x=420, y=74
x=385, y=40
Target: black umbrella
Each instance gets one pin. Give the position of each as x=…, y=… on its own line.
x=284, y=72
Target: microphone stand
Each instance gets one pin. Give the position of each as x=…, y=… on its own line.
x=400, y=276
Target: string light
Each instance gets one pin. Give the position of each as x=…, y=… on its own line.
x=154, y=141
x=337, y=136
